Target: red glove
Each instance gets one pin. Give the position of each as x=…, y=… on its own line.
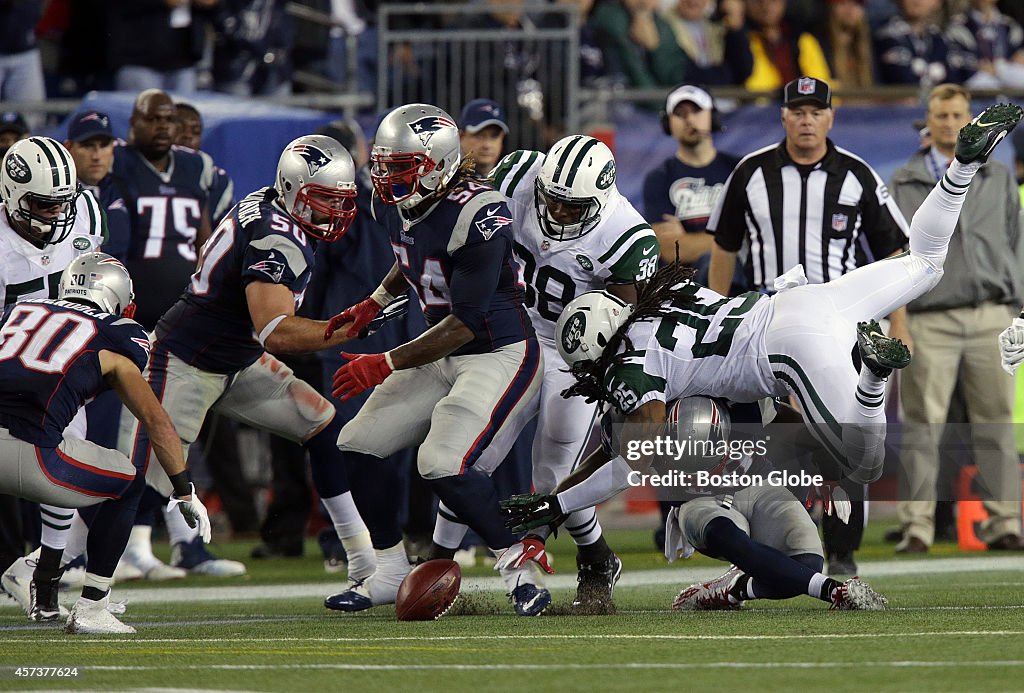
x=359, y=315
x=362, y=372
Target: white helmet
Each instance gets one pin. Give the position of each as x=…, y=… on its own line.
x=319, y=165
x=101, y=280
x=415, y=152
x=577, y=177
x=38, y=173
x=587, y=324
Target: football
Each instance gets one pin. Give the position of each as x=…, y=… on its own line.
x=428, y=591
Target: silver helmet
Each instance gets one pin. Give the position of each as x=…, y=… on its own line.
x=316, y=182
x=573, y=186
x=38, y=185
x=415, y=152
x=101, y=280
x=587, y=324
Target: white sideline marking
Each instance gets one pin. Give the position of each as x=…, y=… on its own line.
x=572, y=667
x=545, y=636
x=677, y=577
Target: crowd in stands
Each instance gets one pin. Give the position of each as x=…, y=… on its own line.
x=51, y=48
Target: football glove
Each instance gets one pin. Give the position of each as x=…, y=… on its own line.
x=359, y=315
x=362, y=372
x=1011, y=346
x=392, y=311
x=531, y=510
x=194, y=512
x=834, y=500
x=529, y=549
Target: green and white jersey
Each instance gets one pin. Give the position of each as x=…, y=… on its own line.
x=30, y=272
x=707, y=345
x=621, y=249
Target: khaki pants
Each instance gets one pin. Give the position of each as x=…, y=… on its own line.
x=950, y=344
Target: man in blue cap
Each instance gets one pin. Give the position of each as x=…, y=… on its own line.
x=482, y=131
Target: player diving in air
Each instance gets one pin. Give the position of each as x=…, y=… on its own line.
x=682, y=340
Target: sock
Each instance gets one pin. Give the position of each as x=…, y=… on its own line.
x=375, y=485
x=449, y=530
x=178, y=530
x=47, y=565
x=822, y=586
x=96, y=587
x=437, y=551
x=743, y=589
x=935, y=220
x=473, y=498
x=56, y=523
x=595, y=552
x=392, y=567
x=110, y=530
x=583, y=526
x=776, y=575
x=77, y=537
x=353, y=534
x=870, y=394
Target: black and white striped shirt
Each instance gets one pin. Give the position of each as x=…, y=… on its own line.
x=820, y=216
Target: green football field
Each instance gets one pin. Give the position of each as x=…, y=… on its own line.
x=955, y=623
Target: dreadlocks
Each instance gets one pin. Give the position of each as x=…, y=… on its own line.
x=665, y=286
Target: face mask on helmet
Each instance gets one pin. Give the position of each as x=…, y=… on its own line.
x=99, y=280
x=416, y=151
x=39, y=187
x=316, y=184
x=573, y=187
x=587, y=325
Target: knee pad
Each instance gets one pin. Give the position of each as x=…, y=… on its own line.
x=433, y=463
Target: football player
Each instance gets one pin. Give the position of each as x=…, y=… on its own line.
x=682, y=339
x=45, y=223
x=572, y=232
x=174, y=198
x=212, y=349
x=761, y=528
x=459, y=391
x=55, y=355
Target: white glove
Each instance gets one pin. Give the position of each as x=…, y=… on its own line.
x=529, y=549
x=1011, y=345
x=841, y=504
x=194, y=513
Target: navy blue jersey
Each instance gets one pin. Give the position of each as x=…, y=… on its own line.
x=119, y=221
x=210, y=327
x=50, y=366
x=685, y=192
x=166, y=210
x=458, y=258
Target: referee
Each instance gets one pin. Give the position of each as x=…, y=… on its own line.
x=805, y=201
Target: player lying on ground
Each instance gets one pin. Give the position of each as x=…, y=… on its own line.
x=762, y=529
x=682, y=339
x=55, y=355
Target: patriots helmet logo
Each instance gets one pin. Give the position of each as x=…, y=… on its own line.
x=425, y=127
x=314, y=157
x=492, y=223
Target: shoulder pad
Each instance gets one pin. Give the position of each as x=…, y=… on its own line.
x=513, y=169
x=496, y=209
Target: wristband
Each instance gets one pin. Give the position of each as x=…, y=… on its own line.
x=181, y=484
x=381, y=296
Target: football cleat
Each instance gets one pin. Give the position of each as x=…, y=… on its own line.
x=194, y=557
x=980, y=137
x=595, y=583
x=857, y=595
x=379, y=588
x=16, y=582
x=529, y=600
x=882, y=355
x=43, y=605
x=94, y=617
x=712, y=595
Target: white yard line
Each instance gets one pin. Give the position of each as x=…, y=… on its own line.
x=676, y=577
x=545, y=636
x=568, y=666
